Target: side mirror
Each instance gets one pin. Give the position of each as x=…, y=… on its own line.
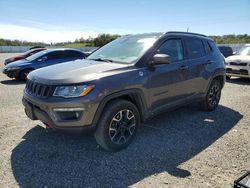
x=161, y=59
x=44, y=58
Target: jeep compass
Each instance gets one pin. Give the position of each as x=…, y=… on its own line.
x=126, y=82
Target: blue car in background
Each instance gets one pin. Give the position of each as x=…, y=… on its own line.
x=20, y=69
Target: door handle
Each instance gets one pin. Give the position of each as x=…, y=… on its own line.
x=183, y=67
x=209, y=62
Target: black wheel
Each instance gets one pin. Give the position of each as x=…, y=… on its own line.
x=23, y=74
x=212, y=98
x=118, y=125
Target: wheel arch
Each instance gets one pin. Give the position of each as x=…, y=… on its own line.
x=24, y=69
x=135, y=96
x=219, y=76
x=220, y=79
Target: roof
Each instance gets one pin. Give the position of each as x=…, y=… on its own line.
x=153, y=34
x=185, y=33
x=159, y=34
x=61, y=49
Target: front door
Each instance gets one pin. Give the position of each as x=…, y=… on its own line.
x=167, y=82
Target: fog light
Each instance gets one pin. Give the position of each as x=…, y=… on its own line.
x=68, y=114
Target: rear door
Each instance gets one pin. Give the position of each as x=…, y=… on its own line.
x=197, y=62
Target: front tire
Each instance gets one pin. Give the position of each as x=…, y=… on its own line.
x=118, y=125
x=212, y=98
x=23, y=74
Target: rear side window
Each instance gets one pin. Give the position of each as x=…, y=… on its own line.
x=208, y=47
x=73, y=54
x=213, y=45
x=195, y=48
x=173, y=48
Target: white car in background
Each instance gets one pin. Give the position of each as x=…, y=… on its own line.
x=239, y=65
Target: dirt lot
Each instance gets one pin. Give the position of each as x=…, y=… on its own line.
x=183, y=148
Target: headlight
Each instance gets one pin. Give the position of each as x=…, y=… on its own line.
x=73, y=91
x=13, y=68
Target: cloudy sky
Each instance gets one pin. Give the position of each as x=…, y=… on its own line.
x=65, y=20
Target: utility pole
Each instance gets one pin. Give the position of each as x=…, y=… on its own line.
x=187, y=29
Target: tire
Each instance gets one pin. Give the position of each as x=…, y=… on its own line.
x=118, y=125
x=23, y=74
x=212, y=98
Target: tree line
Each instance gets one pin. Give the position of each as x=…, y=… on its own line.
x=6, y=42
x=99, y=41
x=231, y=39
x=103, y=39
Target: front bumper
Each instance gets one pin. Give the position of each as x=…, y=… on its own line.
x=11, y=73
x=238, y=71
x=60, y=113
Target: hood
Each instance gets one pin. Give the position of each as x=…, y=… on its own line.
x=75, y=72
x=18, y=63
x=11, y=59
x=238, y=58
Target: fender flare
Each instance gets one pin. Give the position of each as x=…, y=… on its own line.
x=138, y=99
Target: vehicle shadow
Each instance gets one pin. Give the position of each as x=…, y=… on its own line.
x=240, y=81
x=58, y=160
x=12, y=82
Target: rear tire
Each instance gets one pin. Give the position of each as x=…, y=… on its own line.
x=212, y=98
x=118, y=125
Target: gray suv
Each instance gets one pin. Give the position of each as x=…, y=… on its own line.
x=125, y=83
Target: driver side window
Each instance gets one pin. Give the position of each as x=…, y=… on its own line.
x=173, y=48
x=55, y=55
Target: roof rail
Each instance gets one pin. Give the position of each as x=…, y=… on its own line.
x=181, y=32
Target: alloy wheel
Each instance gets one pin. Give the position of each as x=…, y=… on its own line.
x=214, y=95
x=122, y=126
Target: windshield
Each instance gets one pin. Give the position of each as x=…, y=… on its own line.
x=36, y=55
x=244, y=50
x=126, y=49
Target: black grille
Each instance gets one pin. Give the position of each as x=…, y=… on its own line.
x=241, y=71
x=238, y=64
x=39, y=90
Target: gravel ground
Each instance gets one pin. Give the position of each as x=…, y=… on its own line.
x=182, y=148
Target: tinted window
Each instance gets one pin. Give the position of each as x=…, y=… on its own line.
x=173, y=48
x=213, y=45
x=73, y=54
x=208, y=47
x=55, y=55
x=195, y=48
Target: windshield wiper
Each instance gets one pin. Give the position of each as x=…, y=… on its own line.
x=102, y=59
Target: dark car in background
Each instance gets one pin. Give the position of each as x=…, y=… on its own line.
x=20, y=69
x=24, y=55
x=226, y=50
